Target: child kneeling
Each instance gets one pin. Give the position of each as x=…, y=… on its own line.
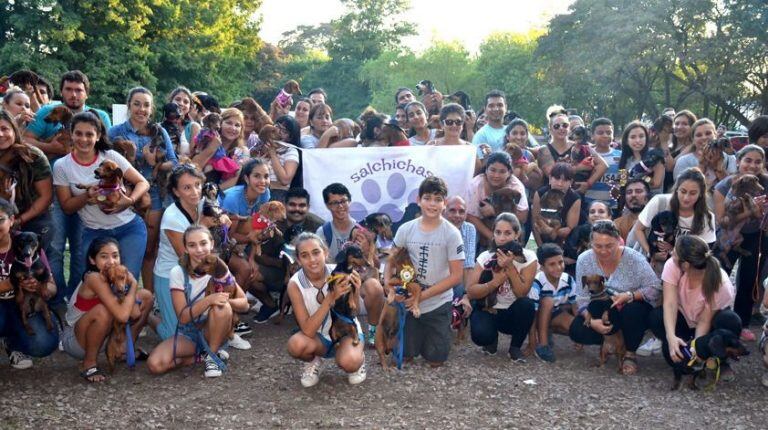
x=312, y=302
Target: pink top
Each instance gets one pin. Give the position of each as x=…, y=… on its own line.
x=691, y=301
x=476, y=193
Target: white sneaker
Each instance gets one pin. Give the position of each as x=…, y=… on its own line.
x=650, y=347
x=238, y=342
x=211, y=368
x=19, y=360
x=311, y=375
x=223, y=354
x=256, y=306
x=358, y=376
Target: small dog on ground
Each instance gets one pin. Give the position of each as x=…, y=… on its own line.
x=117, y=277
x=705, y=355
x=581, y=156
x=389, y=324
x=599, y=307
x=29, y=265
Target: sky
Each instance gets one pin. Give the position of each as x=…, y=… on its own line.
x=467, y=21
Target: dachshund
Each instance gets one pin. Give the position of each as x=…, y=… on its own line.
x=267, y=136
x=492, y=266
x=163, y=166
x=552, y=204
x=222, y=244
x=740, y=201
x=171, y=117
x=663, y=228
x=391, y=135
x=581, y=156
x=712, y=162
x=346, y=307
x=600, y=303
x=704, y=356
x=284, y=98
x=379, y=223
x=266, y=218
x=127, y=149
x=29, y=265
x=459, y=320
x=208, y=133
x=117, y=278
x=389, y=323
x=644, y=169
x=61, y=114
x=427, y=90
x=221, y=281
x=110, y=184
x=502, y=200
x=528, y=172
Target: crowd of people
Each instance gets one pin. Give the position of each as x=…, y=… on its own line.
x=625, y=240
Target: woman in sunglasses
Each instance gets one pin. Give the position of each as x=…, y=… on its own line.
x=636, y=291
x=452, y=118
x=312, y=302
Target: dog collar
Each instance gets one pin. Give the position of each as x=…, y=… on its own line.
x=107, y=190
x=223, y=282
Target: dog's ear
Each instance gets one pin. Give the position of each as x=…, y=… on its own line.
x=716, y=345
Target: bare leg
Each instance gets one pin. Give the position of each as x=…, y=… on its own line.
x=373, y=297
x=305, y=348
x=218, y=326
x=153, y=235
x=90, y=332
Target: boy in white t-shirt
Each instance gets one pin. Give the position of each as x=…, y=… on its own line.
x=553, y=292
x=434, y=246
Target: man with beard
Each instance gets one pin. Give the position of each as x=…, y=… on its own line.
x=74, y=88
x=271, y=274
x=636, y=194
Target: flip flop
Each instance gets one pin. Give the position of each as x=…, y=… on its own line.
x=141, y=355
x=629, y=366
x=92, y=372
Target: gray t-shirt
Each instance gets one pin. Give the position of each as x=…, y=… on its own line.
x=690, y=160
x=430, y=253
x=338, y=238
x=633, y=273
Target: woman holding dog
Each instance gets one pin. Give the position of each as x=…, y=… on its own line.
x=319, y=122
x=497, y=175
x=560, y=179
x=633, y=287
x=513, y=313
x=184, y=98
x=233, y=142
x=704, y=135
x=204, y=320
x=284, y=159
x=78, y=190
x=635, y=144
x=95, y=306
x=697, y=295
x=751, y=161
x=312, y=301
x=33, y=191
x=137, y=129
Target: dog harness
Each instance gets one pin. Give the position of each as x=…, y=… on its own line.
x=192, y=328
x=697, y=363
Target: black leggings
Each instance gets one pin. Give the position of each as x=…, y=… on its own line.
x=746, y=276
x=515, y=321
x=632, y=320
x=726, y=319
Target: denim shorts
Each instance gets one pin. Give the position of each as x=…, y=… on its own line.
x=330, y=347
x=72, y=347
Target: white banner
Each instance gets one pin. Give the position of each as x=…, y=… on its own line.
x=384, y=179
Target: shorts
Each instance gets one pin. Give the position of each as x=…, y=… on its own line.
x=72, y=347
x=192, y=334
x=429, y=335
x=330, y=347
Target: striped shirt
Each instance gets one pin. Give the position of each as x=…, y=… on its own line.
x=563, y=293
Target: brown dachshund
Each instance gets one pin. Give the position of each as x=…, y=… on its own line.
x=502, y=200
x=61, y=114
x=127, y=149
x=740, y=201
x=110, y=177
x=389, y=324
x=552, y=204
x=599, y=306
x=528, y=172
x=117, y=277
x=221, y=281
x=266, y=218
x=267, y=136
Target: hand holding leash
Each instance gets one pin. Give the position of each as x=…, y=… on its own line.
x=675, y=343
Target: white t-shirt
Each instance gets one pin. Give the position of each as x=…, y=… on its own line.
x=289, y=154
x=660, y=203
x=431, y=252
x=198, y=284
x=504, y=295
x=309, y=141
x=173, y=220
x=68, y=172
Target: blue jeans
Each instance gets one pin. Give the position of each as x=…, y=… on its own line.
x=132, y=238
x=41, y=344
x=66, y=228
x=168, y=318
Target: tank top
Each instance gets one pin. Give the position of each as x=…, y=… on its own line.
x=309, y=295
x=558, y=157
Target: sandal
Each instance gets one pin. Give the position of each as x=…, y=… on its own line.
x=629, y=365
x=92, y=373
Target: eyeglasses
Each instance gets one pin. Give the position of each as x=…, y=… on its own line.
x=452, y=122
x=564, y=125
x=338, y=203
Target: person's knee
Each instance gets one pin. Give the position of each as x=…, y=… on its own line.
x=156, y=364
x=298, y=347
x=219, y=313
x=101, y=314
x=729, y=320
x=349, y=359
x=372, y=288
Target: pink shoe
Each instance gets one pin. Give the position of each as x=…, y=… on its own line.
x=747, y=335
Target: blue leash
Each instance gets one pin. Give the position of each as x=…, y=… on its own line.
x=398, y=352
x=130, y=352
x=200, y=339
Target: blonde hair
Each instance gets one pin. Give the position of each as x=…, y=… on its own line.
x=234, y=113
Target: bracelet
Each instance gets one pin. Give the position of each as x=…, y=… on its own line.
x=631, y=297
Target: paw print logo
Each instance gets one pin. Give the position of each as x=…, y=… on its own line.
x=373, y=197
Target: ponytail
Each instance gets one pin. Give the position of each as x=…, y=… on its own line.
x=694, y=251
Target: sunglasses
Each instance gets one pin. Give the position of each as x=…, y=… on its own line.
x=452, y=122
x=561, y=125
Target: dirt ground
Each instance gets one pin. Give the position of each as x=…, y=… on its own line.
x=262, y=390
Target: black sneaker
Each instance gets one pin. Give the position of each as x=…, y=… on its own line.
x=516, y=355
x=242, y=328
x=265, y=313
x=490, y=349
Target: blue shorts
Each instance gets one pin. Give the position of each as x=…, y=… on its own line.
x=330, y=347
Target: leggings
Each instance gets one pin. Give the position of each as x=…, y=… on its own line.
x=632, y=320
x=516, y=321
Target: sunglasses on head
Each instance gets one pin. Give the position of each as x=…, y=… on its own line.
x=453, y=122
x=561, y=125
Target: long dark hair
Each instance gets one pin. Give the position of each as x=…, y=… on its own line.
x=694, y=251
x=248, y=167
x=184, y=261
x=700, y=210
x=93, y=250
x=294, y=131
x=90, y=117
x=506, y=217
x=626, y=151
